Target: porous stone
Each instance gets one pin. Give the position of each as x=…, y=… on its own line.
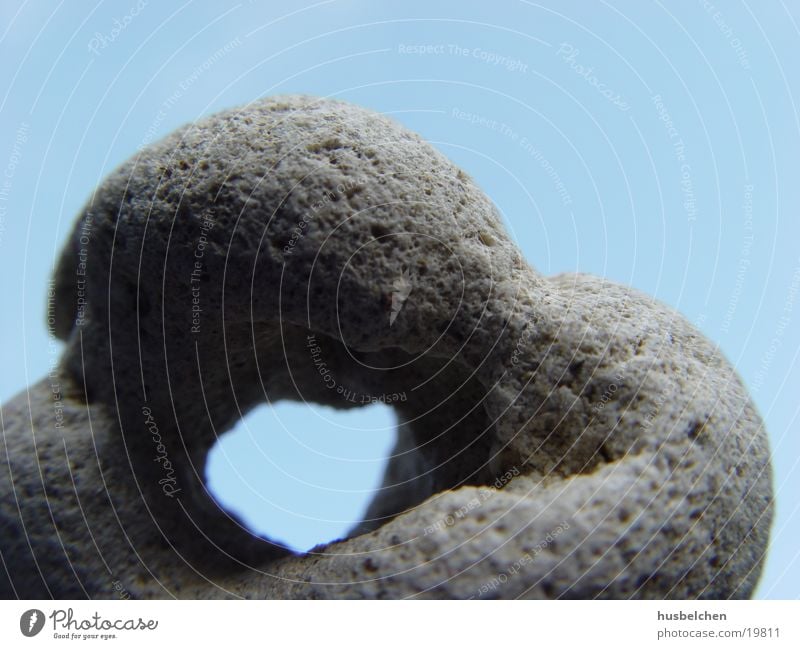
x=557, y=437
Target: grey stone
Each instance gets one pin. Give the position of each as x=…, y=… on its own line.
x=557, y=437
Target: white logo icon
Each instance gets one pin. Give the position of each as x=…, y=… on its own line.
x=31, y=622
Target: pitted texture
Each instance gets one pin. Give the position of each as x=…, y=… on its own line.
x=562, y=437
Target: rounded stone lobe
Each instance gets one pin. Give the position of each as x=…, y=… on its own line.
x=559, y=437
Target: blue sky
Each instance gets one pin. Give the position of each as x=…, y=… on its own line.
x=655, y=144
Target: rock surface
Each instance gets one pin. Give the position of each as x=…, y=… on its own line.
x=561, y=437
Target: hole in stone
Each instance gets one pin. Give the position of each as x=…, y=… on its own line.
x=302, y=474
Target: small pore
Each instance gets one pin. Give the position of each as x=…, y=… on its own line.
x=695, y=430
x=329, y=144
x=378, y=230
